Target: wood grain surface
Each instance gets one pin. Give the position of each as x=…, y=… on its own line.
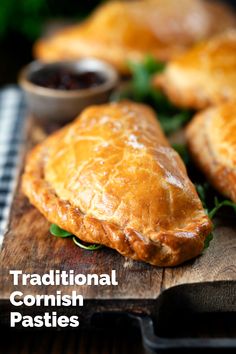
x=29, y=246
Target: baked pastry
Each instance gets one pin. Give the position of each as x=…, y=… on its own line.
x=206, y=75
x=119, y=31
x=211, y=138
x=112, y=178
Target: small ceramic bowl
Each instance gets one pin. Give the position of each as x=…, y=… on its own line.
x=61, y=104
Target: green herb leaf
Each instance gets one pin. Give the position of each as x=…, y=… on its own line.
x=202, y=192
x=208, y=240
x=212, y=207
x=152, y=65
x=171, y=124
x=140, y=84
x=89, y=247
x=205, y=193
x=219, y=205
x=182, y=151
x=58, y=232
x=141, y=77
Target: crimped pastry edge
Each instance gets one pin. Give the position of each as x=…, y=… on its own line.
x=169, y=249
x=220, y=176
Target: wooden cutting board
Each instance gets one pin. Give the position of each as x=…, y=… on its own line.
x=28, y=246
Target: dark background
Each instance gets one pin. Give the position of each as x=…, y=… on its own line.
x=23, y=21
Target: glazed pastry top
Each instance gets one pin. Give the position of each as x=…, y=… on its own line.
x=111, y=177
x=119, y=31
x=221, y=132
x=114, y=165
x=203, y=76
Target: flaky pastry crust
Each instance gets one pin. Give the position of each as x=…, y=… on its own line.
x=204, y=76
x=212, y=142
x=111, y=177
x=121, y=31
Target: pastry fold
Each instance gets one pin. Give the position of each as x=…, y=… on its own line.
x=211, y=138
x=112, y=178
x=120, y=31
x=204, y=76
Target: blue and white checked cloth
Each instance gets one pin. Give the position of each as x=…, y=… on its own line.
x=12, y=113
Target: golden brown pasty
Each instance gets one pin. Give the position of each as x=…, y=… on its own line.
x=119, y=31
x=211, y=139
x=111, y=177
x=204, y=76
